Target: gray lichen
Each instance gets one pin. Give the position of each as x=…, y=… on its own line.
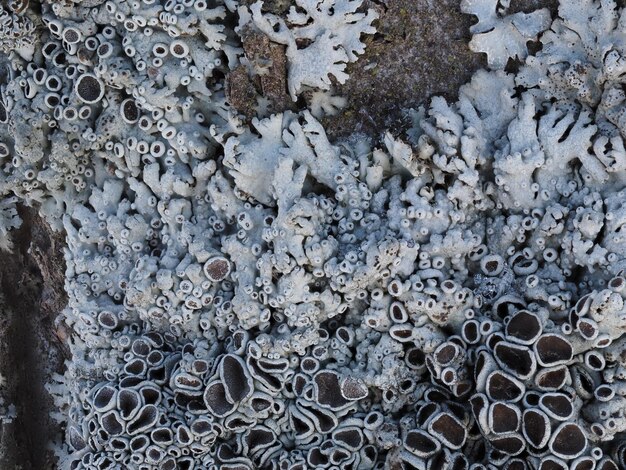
x=259, y=296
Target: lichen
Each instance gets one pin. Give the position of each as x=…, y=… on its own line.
x=259, y=296
x=321, y=38
x=501, y=36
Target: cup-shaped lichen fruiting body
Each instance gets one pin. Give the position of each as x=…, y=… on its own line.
x=104, y=398
x=502, y=386
x=509, y=444
x=515, y=359
x=504, y=418
x=237, y=381
x=568, y=441
x=217, y=268
x=557, y=405
x=524, y=327
x=552, y=378
x=536, y=427
x=552, y=349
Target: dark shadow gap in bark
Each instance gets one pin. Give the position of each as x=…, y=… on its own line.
x=31, y=283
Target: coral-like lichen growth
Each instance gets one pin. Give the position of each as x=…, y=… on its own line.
x=257, y=296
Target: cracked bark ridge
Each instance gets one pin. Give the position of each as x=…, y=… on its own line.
x=31, y=279
x=266, y=75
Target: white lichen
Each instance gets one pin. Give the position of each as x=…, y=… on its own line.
x=503, y=36
x=321, y=38
x=259, y=296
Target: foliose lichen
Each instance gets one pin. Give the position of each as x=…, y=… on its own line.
x=258, y=296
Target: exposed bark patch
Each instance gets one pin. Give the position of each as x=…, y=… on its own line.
x=31, y=281
x=266, y=75
x=420, y=50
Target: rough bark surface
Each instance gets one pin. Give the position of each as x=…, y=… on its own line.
x=420, y=50
x=31, y=347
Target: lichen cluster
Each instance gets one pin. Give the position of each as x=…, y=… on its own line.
x=250, y=296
